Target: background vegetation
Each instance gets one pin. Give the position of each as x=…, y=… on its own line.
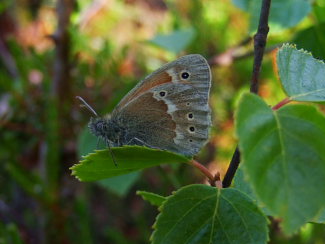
x=51, y=51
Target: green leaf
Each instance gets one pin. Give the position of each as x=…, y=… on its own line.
x=242, y=184
x=175, y=41
x=320, y=217
x=302, y=76
x=4, y=5
x=283, y=14
x=99, y=165
x=120, y=184
x=86, y=142
x=153, y=198
x=243, y=4
x=9, y=234
x=284, y=158
x=204, y=214
x=312, y=39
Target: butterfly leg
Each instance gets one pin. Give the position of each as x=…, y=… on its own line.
x=97, y=146
x=111, y=152
x=137, y=141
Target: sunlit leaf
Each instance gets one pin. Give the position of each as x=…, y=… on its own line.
x=118, y=184
x=302, y=76
x=100, y=165
x=284, y=158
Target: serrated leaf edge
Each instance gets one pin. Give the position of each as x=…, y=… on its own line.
x=293, y=47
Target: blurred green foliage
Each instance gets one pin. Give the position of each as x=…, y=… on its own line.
x=110, y=46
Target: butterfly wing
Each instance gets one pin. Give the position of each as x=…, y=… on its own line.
x=194, y=64
x=170, y=115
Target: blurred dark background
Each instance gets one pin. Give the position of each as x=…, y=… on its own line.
x=52, y=51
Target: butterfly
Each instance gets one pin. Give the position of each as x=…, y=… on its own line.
x=167, y=110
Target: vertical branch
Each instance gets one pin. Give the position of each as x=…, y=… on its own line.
x=259, y=47
x=61, y=79
x=57, y=116
x=260, y=43
x=59, y=91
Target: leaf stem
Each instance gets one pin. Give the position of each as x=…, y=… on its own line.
x=212, y=179
x=281, y=104
x=259, y=48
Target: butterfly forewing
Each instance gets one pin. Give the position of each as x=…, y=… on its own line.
x=169, y=108
x=194, y=64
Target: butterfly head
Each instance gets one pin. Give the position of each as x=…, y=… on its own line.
x=99, y=127
x=106, y=129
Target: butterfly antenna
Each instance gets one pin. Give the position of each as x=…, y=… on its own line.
x=87, y=105
x=111, y=152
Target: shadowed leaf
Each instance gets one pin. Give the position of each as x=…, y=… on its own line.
x=199, y=214
x=153, y=198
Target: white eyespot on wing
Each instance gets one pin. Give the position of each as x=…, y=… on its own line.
x=184, y=75
x=191, y=129
x=190, y=116
x=162, y=95
x=188, y=145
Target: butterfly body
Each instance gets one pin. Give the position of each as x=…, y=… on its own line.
x=167, y=110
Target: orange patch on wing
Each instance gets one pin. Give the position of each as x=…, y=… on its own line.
x=154, y=81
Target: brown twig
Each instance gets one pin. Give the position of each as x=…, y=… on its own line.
x=260, y=43
x=229, y=55
x=231, y=171
x=234, y=53
x=251, y=53
x=259, y=47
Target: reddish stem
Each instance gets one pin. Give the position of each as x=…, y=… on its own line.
x=282, y=103
x=212, y=179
